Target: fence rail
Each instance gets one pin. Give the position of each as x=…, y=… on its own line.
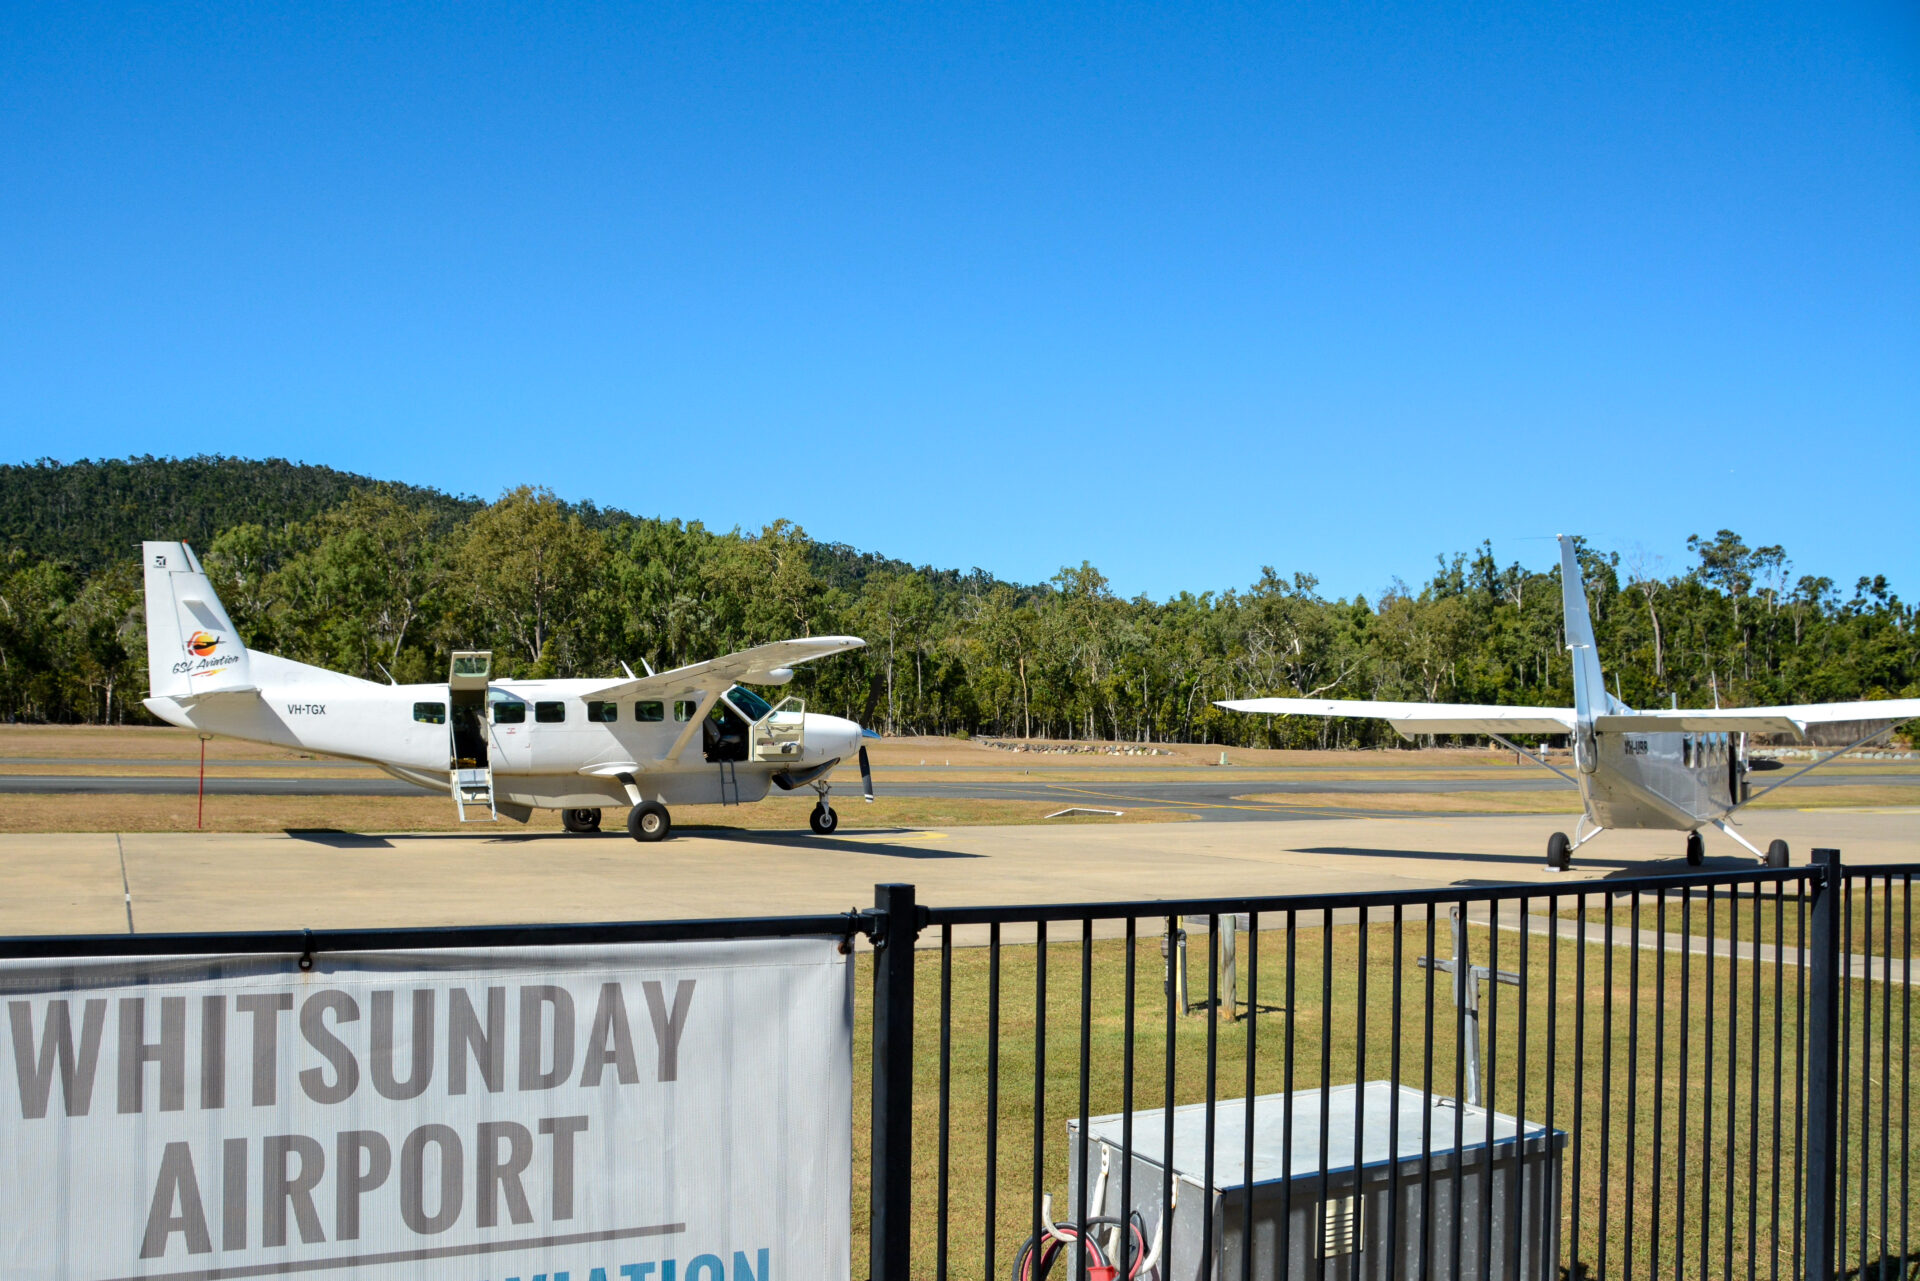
x=1724, y=1057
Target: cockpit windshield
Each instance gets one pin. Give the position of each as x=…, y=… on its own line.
x=748, y=703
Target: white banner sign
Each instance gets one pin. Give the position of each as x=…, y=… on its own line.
x=647, y=1112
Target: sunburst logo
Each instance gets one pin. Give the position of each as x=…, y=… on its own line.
x=201, y=644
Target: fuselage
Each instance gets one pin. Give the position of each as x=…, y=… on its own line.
x=1675, y=782
x=543, y=739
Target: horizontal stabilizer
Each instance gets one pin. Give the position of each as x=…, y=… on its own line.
x=1420, y=718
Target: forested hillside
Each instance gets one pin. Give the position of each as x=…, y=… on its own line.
x=361, y=576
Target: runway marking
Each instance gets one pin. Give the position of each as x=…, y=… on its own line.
x=1167, y=803
x=125, y=892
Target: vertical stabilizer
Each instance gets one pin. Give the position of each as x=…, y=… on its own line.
x=1590, y=696
x=192, y=648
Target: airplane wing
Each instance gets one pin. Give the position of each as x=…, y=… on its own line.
x=1793, y=719
x=761, y=665
x=1421, y=718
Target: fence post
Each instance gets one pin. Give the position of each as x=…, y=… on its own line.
x=891, y=1203
x=1823, y=961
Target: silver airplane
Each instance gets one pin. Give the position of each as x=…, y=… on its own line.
x=1675, y=770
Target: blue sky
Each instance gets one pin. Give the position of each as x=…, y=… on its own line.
x=1182, y=290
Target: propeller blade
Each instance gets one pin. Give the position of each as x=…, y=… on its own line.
x=866, y=774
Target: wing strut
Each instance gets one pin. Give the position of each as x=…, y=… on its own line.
x=707, y=700
x=1882, y=732
x=1510, y=745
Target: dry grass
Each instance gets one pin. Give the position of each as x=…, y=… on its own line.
x=1840, y=796
x=143, y=742
x=1567, y=802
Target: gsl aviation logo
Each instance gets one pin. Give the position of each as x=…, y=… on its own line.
x=202, y=644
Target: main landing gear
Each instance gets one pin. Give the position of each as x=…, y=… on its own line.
x=1777, y=853
x=649, y=821
x=1560, y=849
x=1696, y=850
x=580, y=820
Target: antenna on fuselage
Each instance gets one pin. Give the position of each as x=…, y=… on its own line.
x=384, y=672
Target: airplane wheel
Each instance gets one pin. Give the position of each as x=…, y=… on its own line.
x=1559, y=852
x=824, y=821
x=580, y=820
x=1696, y=850
x=649, y=821
x=1777, y=855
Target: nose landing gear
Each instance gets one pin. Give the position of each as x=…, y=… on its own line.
x=1696, y=850
x=824, y=820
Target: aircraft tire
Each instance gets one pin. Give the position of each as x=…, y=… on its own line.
x=1777, y=854
x=649, y=821
x=1696, y=849
x=824, y=821
x=580, y=820
x=1559, y=852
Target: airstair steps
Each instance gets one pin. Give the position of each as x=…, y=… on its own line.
x=474, y=787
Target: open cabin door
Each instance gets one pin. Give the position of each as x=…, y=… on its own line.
x=472, y=771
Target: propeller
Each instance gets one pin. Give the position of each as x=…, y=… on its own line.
x=866, y=774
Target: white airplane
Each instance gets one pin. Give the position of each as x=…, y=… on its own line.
x=694, y=735
x=1668, y=770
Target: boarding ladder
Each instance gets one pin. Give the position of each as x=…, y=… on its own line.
x=474, y=787
x=729, y=784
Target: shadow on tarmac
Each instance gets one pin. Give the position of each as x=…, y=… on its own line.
x=1627, y=868
x=334, y=838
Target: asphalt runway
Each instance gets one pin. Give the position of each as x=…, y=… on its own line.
x=111, y=883
x=1212, y=799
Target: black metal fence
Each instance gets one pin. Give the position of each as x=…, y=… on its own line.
x=1676, y=1076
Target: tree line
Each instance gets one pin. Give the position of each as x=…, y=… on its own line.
x=385, y=581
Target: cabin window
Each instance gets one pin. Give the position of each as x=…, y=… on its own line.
x=683, y=710
x=603, y=713
x=430, y=713
x=509, y=713
x=649, y=711
x=1686, y=750
x=550, y=713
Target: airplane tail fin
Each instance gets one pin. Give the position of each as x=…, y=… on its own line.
x=192, y=647
x=1590, y=697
